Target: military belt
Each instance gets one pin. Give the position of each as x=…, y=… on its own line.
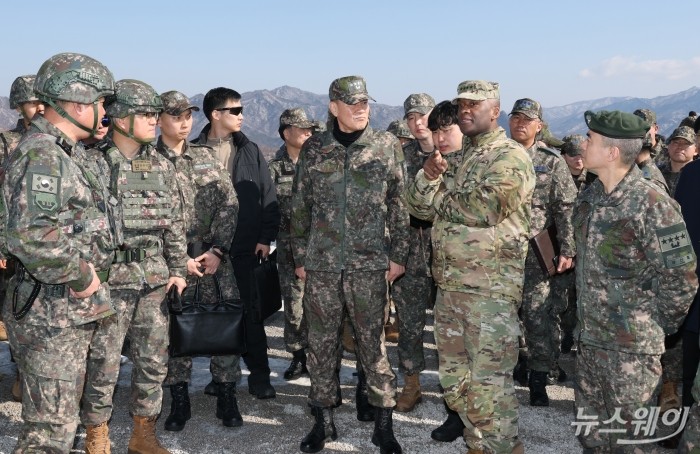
x=103, y=275
x=55, y=291
x=135, y=255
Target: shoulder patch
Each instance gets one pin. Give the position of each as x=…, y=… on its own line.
x=43, y=191
x=675, y=246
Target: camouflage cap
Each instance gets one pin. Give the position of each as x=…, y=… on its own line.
x=318, y=126
x=73, y=77
x=22, y=91
x=349, y=89
x=616, y=124
x=683, y=132
x=399, y=128
x=647, y=115
x=418, y=102
x=477, y=90
x=132, y=97
x=295, y=117
x=546, y=136
x=174, y=103
x=573, y=145
x=528, y=107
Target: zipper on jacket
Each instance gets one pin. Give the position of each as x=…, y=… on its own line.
x=579, y=307
x=345, y=207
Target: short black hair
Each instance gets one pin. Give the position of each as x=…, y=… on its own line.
x=217, y=98
x=443, y=115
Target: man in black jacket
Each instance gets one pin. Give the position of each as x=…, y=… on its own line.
x=258, y=216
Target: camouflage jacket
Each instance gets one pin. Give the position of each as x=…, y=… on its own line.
x=10, y=139
x=209, y=202
x=151, y=214
x=670, y=177
x=552, y=200
x=652, y=173
x=282, y=171
x=57, y=225
x=635, y=268
x=481, y=217
x=420, y=247
x=583, y=180
x=346, y=200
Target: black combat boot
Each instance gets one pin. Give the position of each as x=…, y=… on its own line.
x=521, y=372
x=451, y=429
x=365, y=410
x=227, y=406
x=180, y=411
x=322, y=431
x=538, y=389
x=297, y=368
x=212, y=389
x=556, y=375
x=383, y=435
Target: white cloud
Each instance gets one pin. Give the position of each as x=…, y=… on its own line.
x=619, y=66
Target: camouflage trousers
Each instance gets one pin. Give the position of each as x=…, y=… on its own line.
x=52, y=362
x=672, y=359
x=690, y=441
x=477, y=339
x=224, y=369
x=540, y=312
x=144, y=316
x=364, y=295
x=613, y=385
x=295, y=326
x=411, y=295
x=564, y=295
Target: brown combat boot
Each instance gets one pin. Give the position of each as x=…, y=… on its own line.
x=391, y=331
x=3, y=331
x=97, y=439
x=17, y=389
x=143, y=438
x=668, y=398
x=410, y=395
x=347, y=337
x=475, y=451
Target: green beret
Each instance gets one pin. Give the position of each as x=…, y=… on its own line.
x=616, y=124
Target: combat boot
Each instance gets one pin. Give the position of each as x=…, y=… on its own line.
x=180, y=411
x=322, y=431
x=3, y=331
x=451, y=429
x=556, y=375
x=97, y=439
x=365, y=410
x=410, y=394
x=227, y=406
x=347, y=338
x=17, y=389
x=391, y=330
x=668, y=398
x=475, y=451
x=143, y=438
x=212, y=388
x=383, y=435
x=521, y=372
x=538, y=389
x=297, y=368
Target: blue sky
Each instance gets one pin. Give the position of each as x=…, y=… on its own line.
x=557, y=52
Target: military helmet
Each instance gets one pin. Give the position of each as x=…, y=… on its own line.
x=73, y=77
x=22, y=91
x=132, y=97
x=400, y=129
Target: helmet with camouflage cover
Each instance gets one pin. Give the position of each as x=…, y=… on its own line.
x=22, y=91
x=132, y=97
x=73, y=77
x=399, y=128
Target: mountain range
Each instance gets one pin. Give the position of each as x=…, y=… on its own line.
x=263, y=108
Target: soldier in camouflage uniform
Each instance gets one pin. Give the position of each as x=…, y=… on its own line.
x=61, y=234
x=349, y=236
x=400, y=129
x=681, y=151
x=645, y=160
x=210, y=213
x=294, y=129
x=481, y=224
x=552, y=202
x=151, y=258
x=635, y=277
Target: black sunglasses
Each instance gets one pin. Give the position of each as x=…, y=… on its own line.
x=106, y=121
x=232, y=110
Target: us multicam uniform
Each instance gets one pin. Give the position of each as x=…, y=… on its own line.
x=282, y=171
x=210, y=213
x=480, y=231
x=411, y=292
x=344, y=202
x=635, y=277
x=552, y=202
x=153, y=249
x=57, y=224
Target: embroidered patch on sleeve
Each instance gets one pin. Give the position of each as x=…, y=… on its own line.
x=43, y=191
x=675, y=246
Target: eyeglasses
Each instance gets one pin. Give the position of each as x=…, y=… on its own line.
x=148, y=115
x=106, y=121
x=232, y=110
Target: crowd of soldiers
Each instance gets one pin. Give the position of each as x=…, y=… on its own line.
x=100, y=220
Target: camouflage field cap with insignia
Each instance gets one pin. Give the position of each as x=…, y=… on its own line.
x=477, y=90
x=73, y=77
x=528, y=107
x=295, y=117
x=399, y=128
x=349, y=89
x=573, y=145
x=647, y=115
x=132, y=97
x=422, y=103
x=616, y=124
x=22, y=91
x=683, y=132
x=175, y=103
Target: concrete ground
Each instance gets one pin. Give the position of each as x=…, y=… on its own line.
x=278, y=425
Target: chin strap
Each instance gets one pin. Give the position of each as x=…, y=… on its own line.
x=130, y=134
x=65, y=115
